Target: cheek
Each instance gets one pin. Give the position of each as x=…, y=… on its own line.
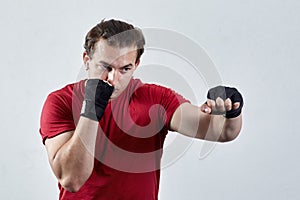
x=125, y=79
x=97, y=72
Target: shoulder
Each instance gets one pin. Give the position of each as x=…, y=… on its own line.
x=57, y=115
x=157, y=90
x=141, y=87
x=62, y=101
x=156, y=93
x=67, y=92
x=69, y=88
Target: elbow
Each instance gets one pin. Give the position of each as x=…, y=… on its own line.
x=74, y=181
x=232, y=131
x=71, y=184
x=229, y=136
x=72, y=177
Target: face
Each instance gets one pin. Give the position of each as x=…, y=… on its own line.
x=112, y=64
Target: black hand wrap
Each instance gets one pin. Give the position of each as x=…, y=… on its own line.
x=97, y=94
x=224, y=93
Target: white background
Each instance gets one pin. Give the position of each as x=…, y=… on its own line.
x=254, y=44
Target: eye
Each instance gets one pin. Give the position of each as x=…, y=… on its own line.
x=125, y=69
x=106, y=67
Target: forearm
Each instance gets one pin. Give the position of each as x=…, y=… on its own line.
x=219, y=128
x=74, y=161
x=231, y=129
x=71, y=154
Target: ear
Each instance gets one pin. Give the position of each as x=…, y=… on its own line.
x=85, y=57
x=137, y=63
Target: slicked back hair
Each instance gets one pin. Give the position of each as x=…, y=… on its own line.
x=117, y=34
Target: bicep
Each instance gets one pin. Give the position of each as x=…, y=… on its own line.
x=189, y=120
x=55, y=143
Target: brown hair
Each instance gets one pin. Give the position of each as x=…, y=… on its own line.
x=117, y=33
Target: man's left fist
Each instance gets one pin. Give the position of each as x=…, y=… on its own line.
x=225, y=101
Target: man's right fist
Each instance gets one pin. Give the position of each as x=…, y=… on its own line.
x=96, y=96
x=218, y=99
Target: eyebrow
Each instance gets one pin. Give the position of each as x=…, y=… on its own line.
x=129, y=65
x=108, y=65
x=104, y=63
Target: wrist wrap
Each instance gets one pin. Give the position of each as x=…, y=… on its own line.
x=96, y=97
x=224, y=93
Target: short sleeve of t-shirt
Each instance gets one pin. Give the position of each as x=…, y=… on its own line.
x=169, y=100
x=56, y=116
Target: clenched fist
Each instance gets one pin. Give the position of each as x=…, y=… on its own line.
x=223, y=100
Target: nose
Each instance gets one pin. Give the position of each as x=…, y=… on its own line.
x=112, y=77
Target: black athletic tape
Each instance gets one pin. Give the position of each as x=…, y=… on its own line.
x=224, y=93
x=96, y=97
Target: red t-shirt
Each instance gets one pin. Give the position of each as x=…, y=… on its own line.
x=129, y=143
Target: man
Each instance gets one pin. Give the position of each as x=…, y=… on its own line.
x=104, y=136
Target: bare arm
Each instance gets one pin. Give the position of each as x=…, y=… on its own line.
x=192, y=121
x=71, y=154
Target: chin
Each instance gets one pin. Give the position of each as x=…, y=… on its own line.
x=114, y=95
